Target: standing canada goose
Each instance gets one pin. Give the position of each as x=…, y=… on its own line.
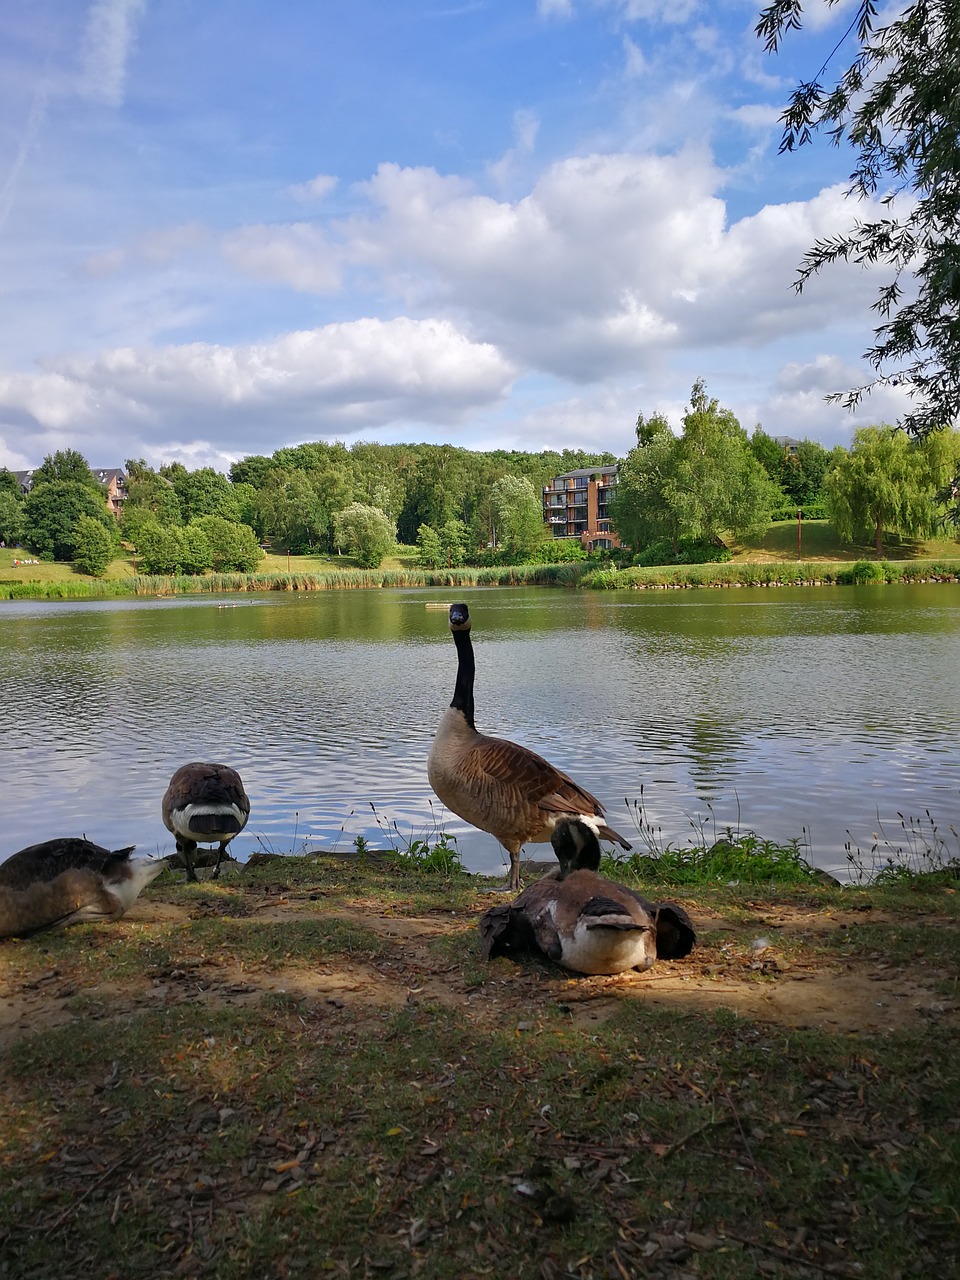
x=498, y=785
x=204, y=803
x=51, y=858
x=76, y=895
x=581, y=920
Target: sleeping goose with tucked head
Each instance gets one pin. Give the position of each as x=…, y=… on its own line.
x=582, y=921
x=49, y=859
x=63, y=892
x=495, y=784
x=204, y=804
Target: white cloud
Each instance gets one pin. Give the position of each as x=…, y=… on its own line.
x=314, y=191
x=341, y=377
x=298, y=254
x=555, y=8
x=635, y=64
x=797, y=403
x=608, y=258
x=526, y=125
x=674, y=12
x=107, y=44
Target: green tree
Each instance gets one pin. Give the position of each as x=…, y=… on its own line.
x=10, y=484
x=648, y=502
x=205, y=492
x=12, y=521
x=252, y=470
x=435, y=493
x=148, y=493
x=290, y=510
x=724, y=487
x=162, y=549
x=365, y=532
x=429, y=548
x=518, y=513
x=896, y=104
x=65, y=464
x=453, y=543
x=800, y=473
x=93, y=547
x=51, y=512
x=698, y=485
x=888, y=483
x=233, y=547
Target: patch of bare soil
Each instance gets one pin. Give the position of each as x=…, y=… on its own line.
x=761, y=970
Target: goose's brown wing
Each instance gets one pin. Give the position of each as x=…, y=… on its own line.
x=50, y=858
x=525, y=925
x=529, y=779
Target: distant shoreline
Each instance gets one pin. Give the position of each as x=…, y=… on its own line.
x=670, y=577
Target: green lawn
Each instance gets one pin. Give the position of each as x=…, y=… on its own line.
x=820, y=542
x=306, y=1069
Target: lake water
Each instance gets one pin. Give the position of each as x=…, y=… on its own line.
x=816, y=711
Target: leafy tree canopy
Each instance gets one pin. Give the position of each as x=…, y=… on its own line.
x=896, y=104
x=52, y=511
x=65, y=464
x=94, y=547
x=12, y=521
x=10, y=484
x=888, y=483
x=699, y=484
x=365, y=532
x=233, y=547
x=518, y=511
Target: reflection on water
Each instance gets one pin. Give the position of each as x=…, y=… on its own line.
x=811, y=709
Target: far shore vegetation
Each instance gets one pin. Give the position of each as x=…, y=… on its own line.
x=767, y=561
x=708, y=506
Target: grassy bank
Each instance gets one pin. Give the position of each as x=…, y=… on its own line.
x=306, y=1069
x=772, y=574
x=769, y=561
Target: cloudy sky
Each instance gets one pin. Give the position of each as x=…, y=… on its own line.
x=239, y=224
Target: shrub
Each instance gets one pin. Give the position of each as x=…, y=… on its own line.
x=689, y=551
x=94, y=547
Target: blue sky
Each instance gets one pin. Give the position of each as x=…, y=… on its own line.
x=235, y=225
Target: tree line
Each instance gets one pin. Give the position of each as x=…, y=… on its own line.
x=456, y=505
x=678, y=496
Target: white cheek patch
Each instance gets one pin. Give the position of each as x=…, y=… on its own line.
x=137, y=874
x=590, y=821
x=182, y=818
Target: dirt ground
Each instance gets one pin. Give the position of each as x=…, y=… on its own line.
x=773, y=968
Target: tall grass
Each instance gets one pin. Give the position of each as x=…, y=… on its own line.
x=782, y=574
x=744, y=574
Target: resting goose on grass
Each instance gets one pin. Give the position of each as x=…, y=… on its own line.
x=581, y=920
x=49, y=859
x=77, y=895
x=495, y=784
x=204, y=804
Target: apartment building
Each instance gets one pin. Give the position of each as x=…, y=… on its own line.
x=575, y=506
x=112, y=480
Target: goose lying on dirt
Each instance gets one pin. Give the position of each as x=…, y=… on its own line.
x=495, y=784
x=76, y=896
x=49, y=859
x=582, y=921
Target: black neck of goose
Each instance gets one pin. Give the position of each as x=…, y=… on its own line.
x=466, y=670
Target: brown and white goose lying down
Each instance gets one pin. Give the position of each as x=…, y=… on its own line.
x=495, y=784
x=204, y=804
x=63, y=891
x=49, y=859
x=581, y=920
